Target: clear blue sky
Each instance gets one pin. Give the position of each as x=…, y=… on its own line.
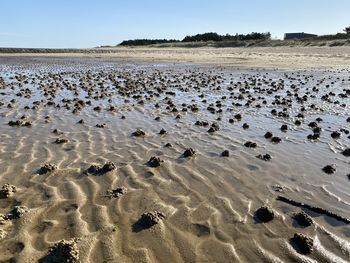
x=87, y=23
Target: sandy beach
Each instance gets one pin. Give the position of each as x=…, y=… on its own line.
x=255, y=57
x=176, y=155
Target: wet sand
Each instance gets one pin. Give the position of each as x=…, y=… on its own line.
x=109, y=201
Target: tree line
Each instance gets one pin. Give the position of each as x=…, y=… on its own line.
x=211, y=36
x=238, y=37
x=144, y=42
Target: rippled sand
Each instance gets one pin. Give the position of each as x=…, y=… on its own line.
x=208, y=200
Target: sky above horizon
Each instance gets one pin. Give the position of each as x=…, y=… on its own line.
x=88, y=23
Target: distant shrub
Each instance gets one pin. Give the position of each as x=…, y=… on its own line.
x=203, y=37
x=211, y=36
x=333, y=37
x=144, y=42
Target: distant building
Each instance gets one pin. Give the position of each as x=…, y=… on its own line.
x=302, y=35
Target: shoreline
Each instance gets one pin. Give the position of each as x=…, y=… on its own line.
x=255, y=57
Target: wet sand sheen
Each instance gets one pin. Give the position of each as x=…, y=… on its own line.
x=190, y=209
